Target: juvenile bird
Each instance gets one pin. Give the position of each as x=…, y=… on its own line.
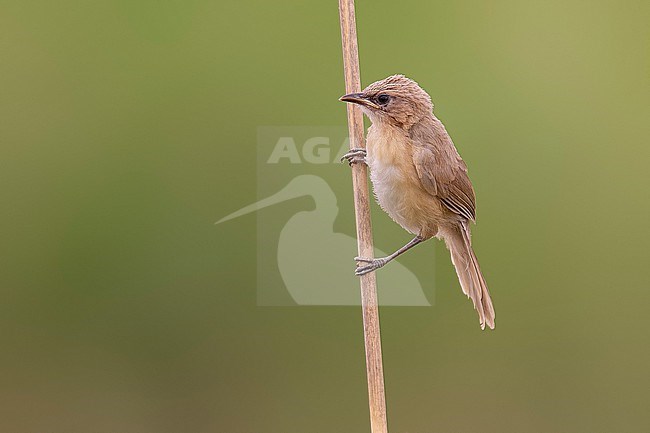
x=419, y=179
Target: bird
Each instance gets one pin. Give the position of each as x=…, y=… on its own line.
x=419, y=180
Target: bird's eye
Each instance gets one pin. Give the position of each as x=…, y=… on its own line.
x=383, y=99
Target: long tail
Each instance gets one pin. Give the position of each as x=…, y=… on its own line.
x=469, y=273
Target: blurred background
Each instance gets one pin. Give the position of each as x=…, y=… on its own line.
x=129, y=127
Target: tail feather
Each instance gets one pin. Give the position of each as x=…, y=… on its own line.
x=469, y=273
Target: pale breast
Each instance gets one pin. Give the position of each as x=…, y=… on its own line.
x=396, y=185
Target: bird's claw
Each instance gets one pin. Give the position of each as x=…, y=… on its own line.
x=357, y=155
x=373, y=265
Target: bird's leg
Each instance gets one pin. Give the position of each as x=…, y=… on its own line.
x=355, y=155
x=374, y=264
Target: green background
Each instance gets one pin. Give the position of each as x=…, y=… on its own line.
x=128, y=127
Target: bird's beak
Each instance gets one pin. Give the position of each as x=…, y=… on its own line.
x=358, y=98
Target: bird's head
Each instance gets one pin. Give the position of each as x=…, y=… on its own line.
x=396, y=100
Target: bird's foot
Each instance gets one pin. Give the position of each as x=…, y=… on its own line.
x=355, y=156
x=372, y=265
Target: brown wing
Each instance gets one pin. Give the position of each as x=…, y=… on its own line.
x=442, y=171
